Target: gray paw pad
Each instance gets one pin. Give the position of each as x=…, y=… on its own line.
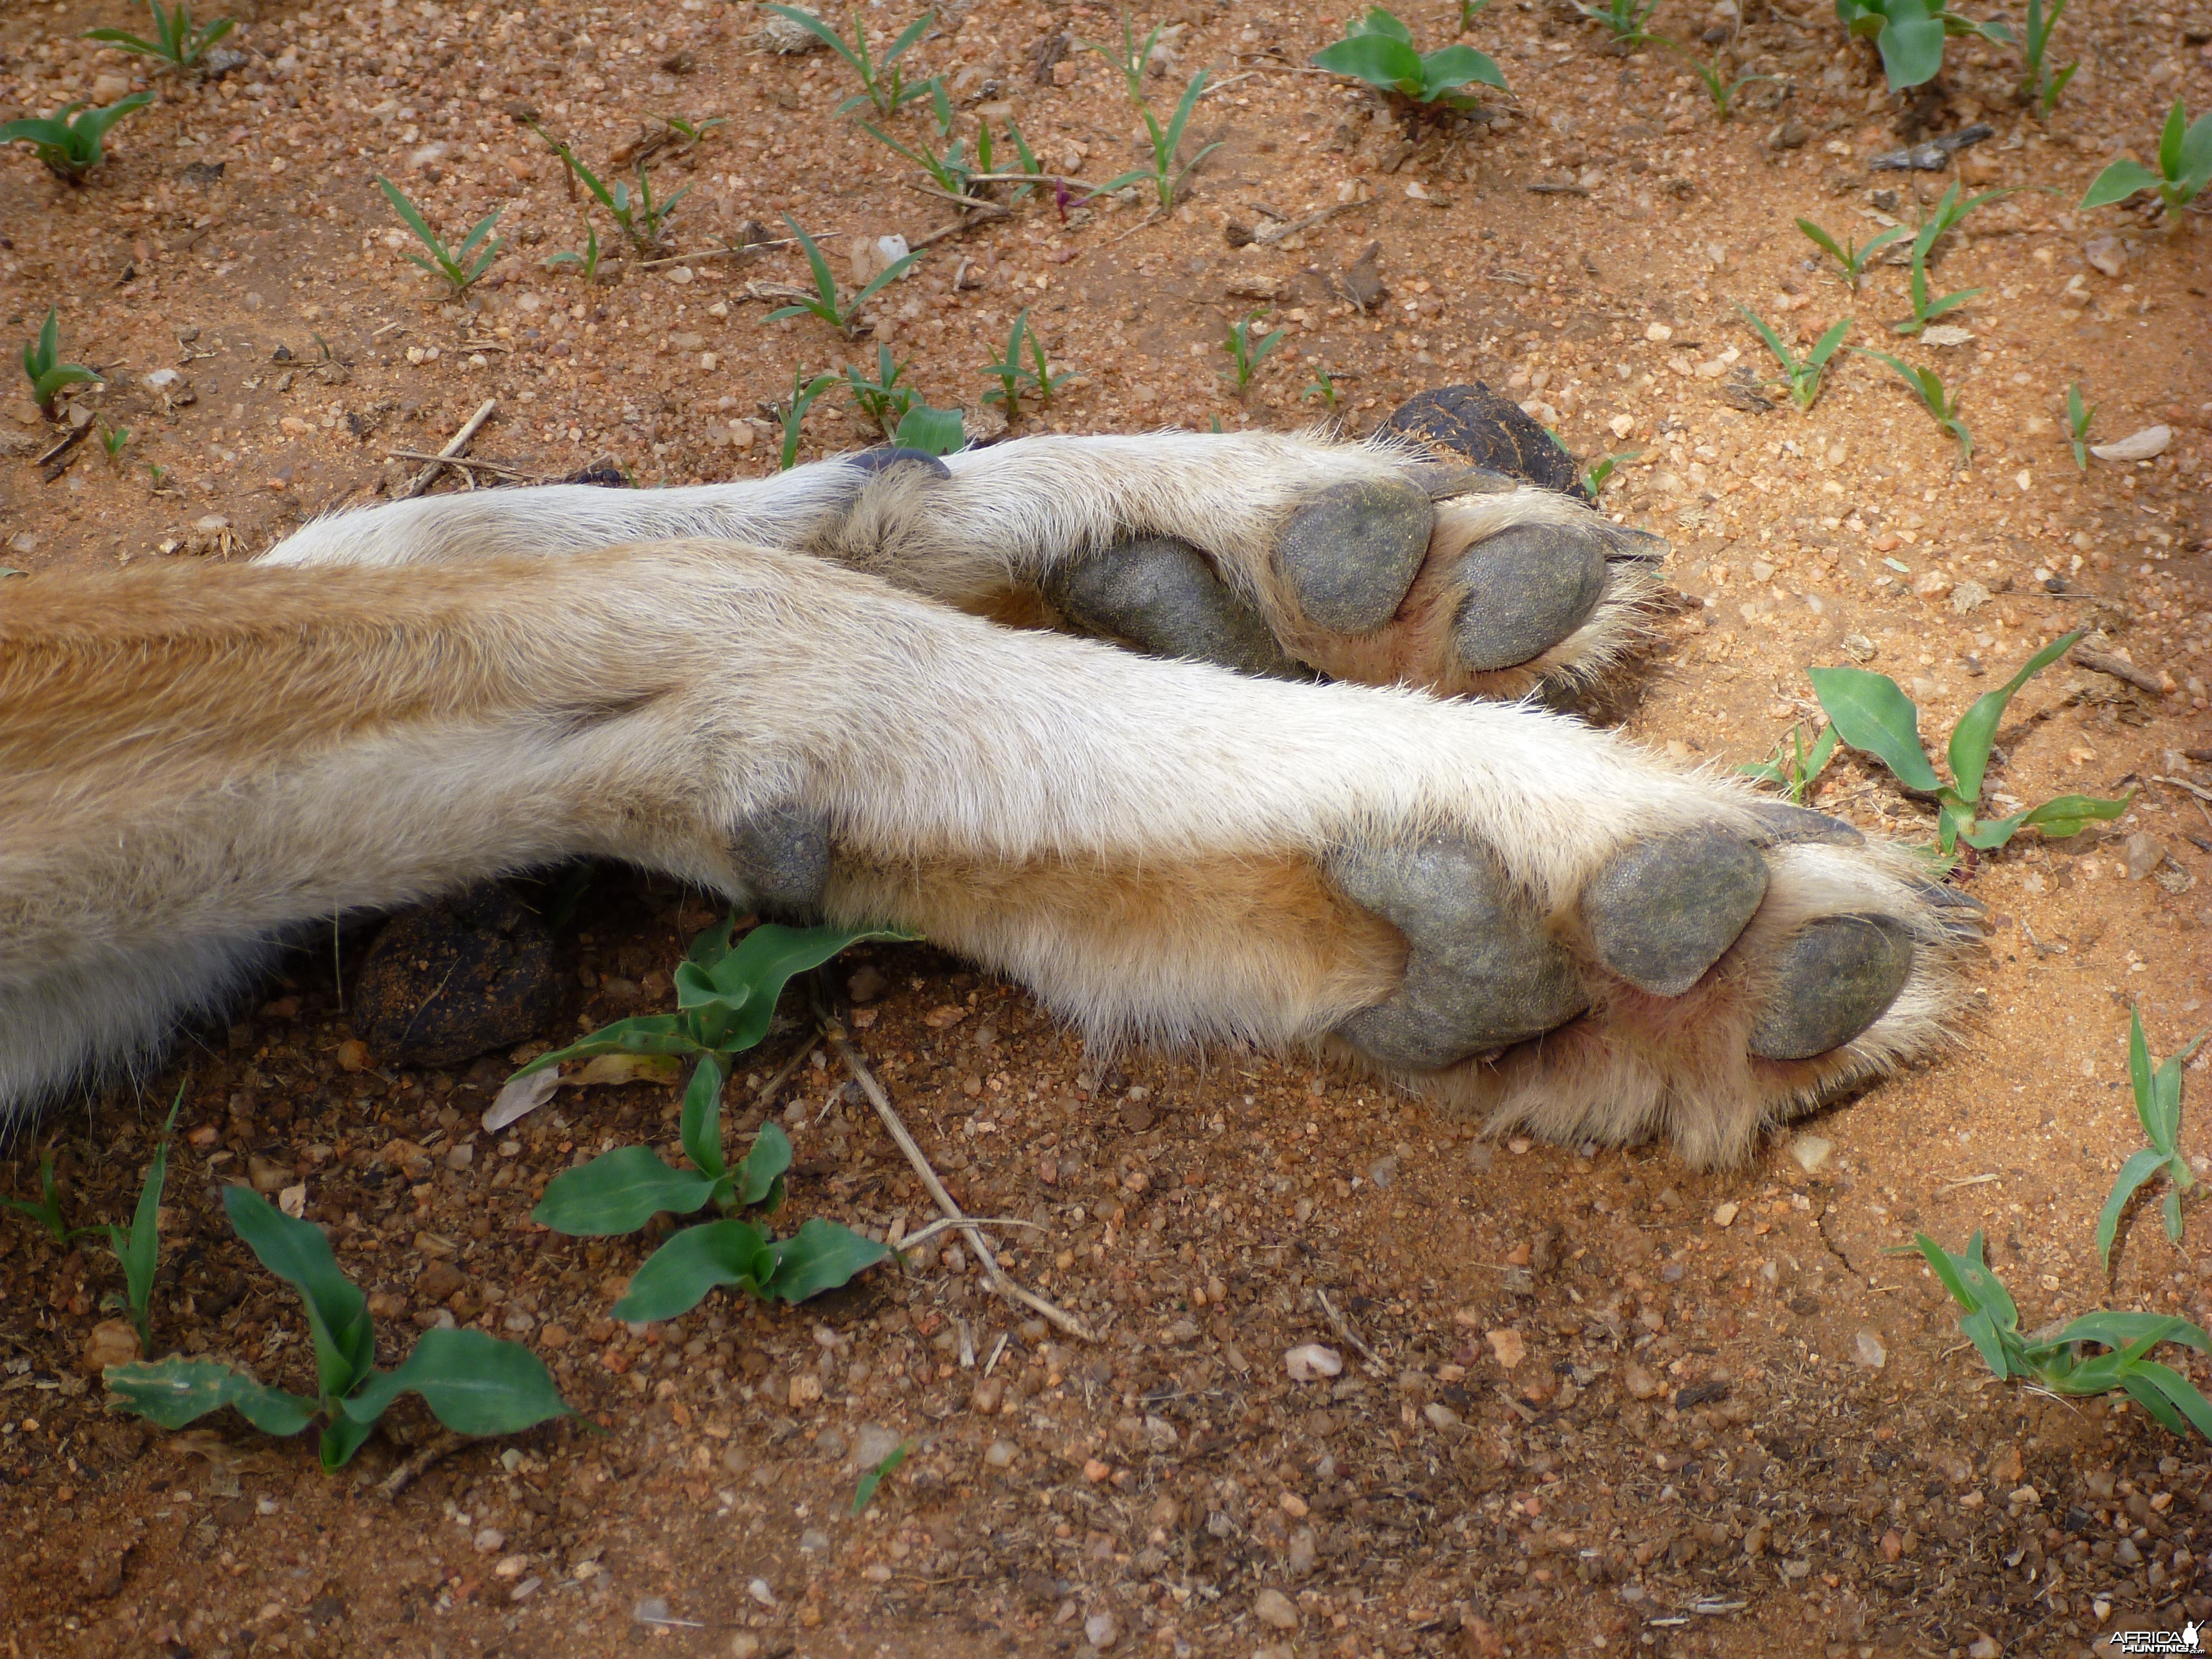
x=782, y=856
x=1164, y=595
x=1528, y=589
x=1661, y=913
x=1481, y=972
x=1353, y=549
x=1789, y=826
x=1835, y=977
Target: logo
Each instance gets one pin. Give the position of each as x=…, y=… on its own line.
x=2190, y=1638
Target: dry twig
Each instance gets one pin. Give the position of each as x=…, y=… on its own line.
x=993, y=1275
x=442, y=1445
x=445, y=457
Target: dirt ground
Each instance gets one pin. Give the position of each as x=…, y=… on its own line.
x=1590, y=1401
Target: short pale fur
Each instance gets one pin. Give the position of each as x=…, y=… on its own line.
x=196, y=763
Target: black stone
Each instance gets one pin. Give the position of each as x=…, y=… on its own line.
x=444, y=984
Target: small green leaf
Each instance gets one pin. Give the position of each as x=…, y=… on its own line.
x=298, y=1252
x=1381, y=60
x=763, y=1165
x=820, y=1256
x=2139, y=1084
x=2121, y=1330
x=933, y=431
x=1872, y=714
x=1384, y=23
x=866, y=1491
x=1911, y=43
x=177, y=1390
x=701, y=1133
x=650, y=1034
x=677, y=1277
x=618, y=1192
x=1978, y=728
x=1457, y=66
x=2118, y=181
x=2064, y=814
x=2139, y=1168
x=473, y=1383
x=1982, y=1330
x=2177, y=1391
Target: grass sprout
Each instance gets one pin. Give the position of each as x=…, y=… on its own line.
x=882, y=82
x=1168, y=172
x=2043, y=84
x=1379, y=50
x=1246, y=355
x=804, y=392
x=179, y=45
x=2185, y=165
x=2158, y=1109
x=1794, y=766
x=2077, y=424
x=1849, y=255
x=44, y=368
x=461, y=266
x=826, y=303
x=67, y=142
x=1928, y=385
x=1801, y=374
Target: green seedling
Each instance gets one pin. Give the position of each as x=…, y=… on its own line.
x=157, y=477
x=1719, y=87
x=884, y=399
x=2158, y=1109
x=641, y=218
x=2043, y=84
x=1469, y=10
x=826, y=304
x=1013, y=375
x=137, y=1247
x=2054, y=1359
x=1873, y=715
x=1910, y=34
x=473, y=1383
x=2185, y=165
x=587, y=263
x=70, y=142
x=1245, y=354
x=951, y=172
x=1130, y=62
x=691, y=132
x=1928, y=385
x=1851, y=256
x=457, y=266
x=1801, y=374
x=804, y=392
x=864, y=1493
x=47, y=1210
x=2077, y=425
x=112, y=439
x=1323, y=387
x=1599, y=471
x=1379, y=50
x=1793, y=768
x=43, y=367
x=725, y=996
x=1949, y=212
x=178, y=46
x=1164, y=175
x=882, y=84
x=1624, y=19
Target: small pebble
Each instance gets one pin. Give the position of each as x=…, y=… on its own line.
x=1811, y=1152
x=112, y=1342
x=1102, y=1631
x=1309, y=1362
x=2140, y=855
x=1892, y=1547
x=1868, y=1351
x=1641, y=1383
x=873, y=1443
x=1725, y=1214
x=1509, y=1346
x=1001, y=1455
x=653, y=1610
x=1275, y=1610
x=814, y=1541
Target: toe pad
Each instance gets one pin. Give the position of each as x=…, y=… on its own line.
x=1164, y=594
x=1834, y=978
x=1529, y=588
x=1663, y=912
x=1353, y=549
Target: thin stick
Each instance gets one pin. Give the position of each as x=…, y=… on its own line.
x=2196, y=789
x=458, y=461
x=1344, y=1329
x=2104, y=662
x=405, y=1475
x=910, y=1241
x=994, y=1274
x=1276, y=233
x=766, y=1093
x=734, y=251
x=461, y=442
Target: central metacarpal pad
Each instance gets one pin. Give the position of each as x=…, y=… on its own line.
x=1481, y=972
